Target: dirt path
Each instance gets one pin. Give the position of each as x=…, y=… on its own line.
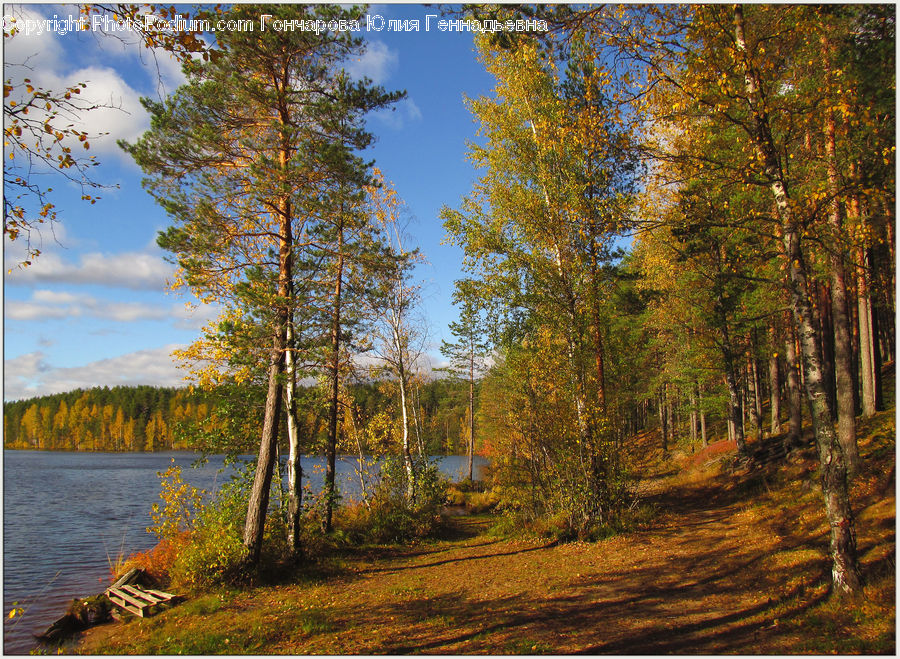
x=705, y=579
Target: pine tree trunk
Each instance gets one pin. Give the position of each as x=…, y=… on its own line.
x=703, y=436
x=693, y=419
x=663, y=427
x=258, y=502
x=833, y=470
x=825, y=330
x=866, y=341
x=673, y=420
x=794, y=396
x=877, y=352
x=335, y=368
x=735, y=407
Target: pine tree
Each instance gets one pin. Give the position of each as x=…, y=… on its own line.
x=238, y=158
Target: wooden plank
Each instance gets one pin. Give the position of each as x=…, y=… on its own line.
x=127, y=578
x=142, y=594
x=159, y=593
x=137, y=600
x=118, y=601
x=128, y=598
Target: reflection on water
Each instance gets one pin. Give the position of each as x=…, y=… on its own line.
x=68, y=516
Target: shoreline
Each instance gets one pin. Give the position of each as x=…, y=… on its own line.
x=47, y=585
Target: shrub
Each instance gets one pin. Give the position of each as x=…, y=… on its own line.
x=215, y=553
x=213, y=556
x=201, y=541
x=157, y=561
x=389, y=515
x=472, y=495
x=181, y=504
x=481, y=502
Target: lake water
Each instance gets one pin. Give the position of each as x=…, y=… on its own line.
x=67, y=515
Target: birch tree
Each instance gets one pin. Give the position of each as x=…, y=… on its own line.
x=398, y=334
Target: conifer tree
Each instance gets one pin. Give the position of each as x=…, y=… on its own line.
x=238, y=158
x=467, y=354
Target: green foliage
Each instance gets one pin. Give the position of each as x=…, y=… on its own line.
x=201, y=543
x=541, y=467
x=213, y=556
x=389, y=516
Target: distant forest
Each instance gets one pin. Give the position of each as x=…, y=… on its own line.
x=146, y=418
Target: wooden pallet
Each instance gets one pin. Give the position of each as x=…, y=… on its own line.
x=137, y=600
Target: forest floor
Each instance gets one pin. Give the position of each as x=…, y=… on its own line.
x=735, y=560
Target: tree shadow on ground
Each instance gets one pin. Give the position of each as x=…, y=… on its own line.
x=651, y=624
x=461, y=559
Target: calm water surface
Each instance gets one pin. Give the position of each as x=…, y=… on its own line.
x=66, y=516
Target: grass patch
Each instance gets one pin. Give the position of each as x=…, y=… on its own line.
x=315, y=621
x=527, y=646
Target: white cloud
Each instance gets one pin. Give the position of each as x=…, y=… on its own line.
x=117, y=112
x=398, y=116
x=53, y=297
x=31, y=375
x=134, y=270
x=377, y=63
x=14, y=310
x=49, y=304
x=27, y=52
x=412, y=110
x=45, y=305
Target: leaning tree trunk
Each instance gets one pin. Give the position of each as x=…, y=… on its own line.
x=258, y=503
x=833, y=470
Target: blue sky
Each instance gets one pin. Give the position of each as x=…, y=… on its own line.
x=94, y=309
